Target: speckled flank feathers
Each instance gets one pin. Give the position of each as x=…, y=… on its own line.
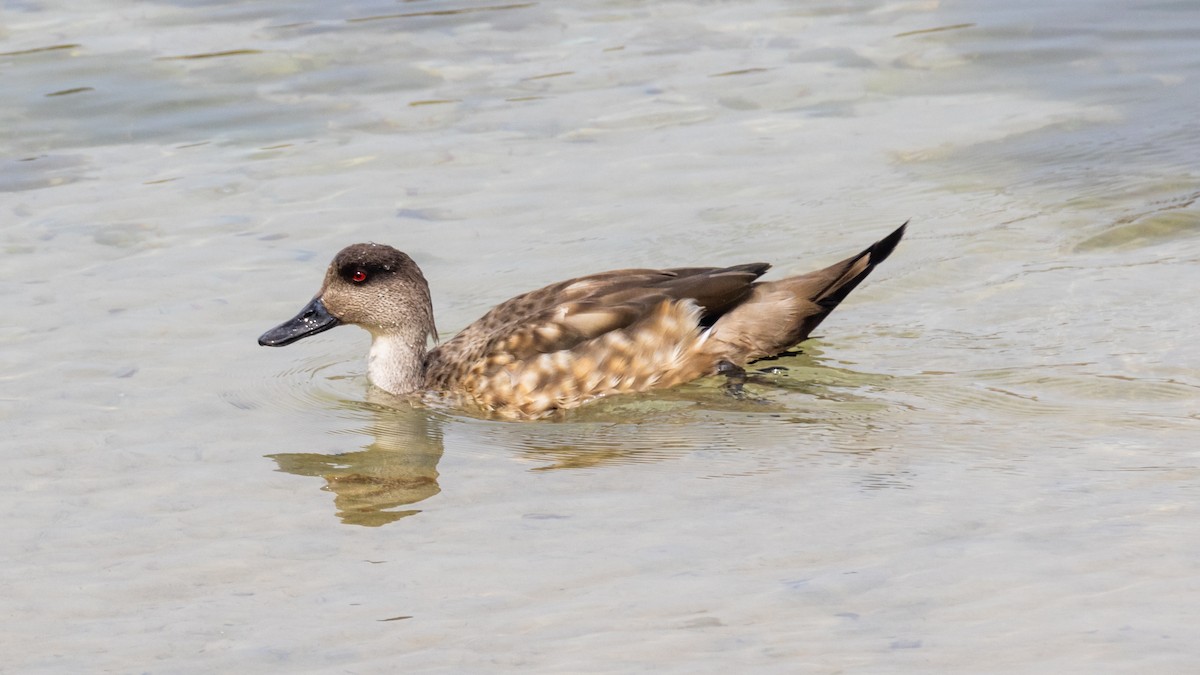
x=563, y=345
x=662, y=349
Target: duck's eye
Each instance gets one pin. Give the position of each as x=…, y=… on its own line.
x=359, y=276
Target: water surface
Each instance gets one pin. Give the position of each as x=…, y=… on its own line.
x=986, y=461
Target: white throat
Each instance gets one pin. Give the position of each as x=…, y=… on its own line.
x=396, y=363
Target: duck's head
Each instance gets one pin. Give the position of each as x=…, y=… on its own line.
x=370, y=285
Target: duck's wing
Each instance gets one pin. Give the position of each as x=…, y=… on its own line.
x=564, y=315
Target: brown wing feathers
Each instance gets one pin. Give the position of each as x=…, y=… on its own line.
x=618, y=301
x=747, y=319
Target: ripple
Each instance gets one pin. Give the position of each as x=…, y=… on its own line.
x=727, y=436
x=317, y=381
x=1075, y=398
x=789, y=405
x=1155, y=228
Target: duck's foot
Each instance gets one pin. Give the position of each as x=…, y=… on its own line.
x=735, y=379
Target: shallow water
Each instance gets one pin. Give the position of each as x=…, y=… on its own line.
x=987, y=461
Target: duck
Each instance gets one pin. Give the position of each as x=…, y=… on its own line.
x=578, y=340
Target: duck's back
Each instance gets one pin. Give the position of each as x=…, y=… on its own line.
x=570, y=342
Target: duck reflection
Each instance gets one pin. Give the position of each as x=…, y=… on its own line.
x=398, y=469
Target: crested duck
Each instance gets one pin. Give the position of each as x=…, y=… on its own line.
x=574, y=341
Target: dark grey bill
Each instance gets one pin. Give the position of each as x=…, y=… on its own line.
x=311, y=320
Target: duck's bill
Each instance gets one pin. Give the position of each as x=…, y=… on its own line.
x=313, y=319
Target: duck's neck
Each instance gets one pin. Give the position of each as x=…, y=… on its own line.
x=396, y=362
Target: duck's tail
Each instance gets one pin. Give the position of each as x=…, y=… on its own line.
x=779, y=314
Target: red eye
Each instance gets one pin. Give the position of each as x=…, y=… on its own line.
x=359, y=276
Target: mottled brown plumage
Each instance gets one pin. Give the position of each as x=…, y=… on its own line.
x=574, y=341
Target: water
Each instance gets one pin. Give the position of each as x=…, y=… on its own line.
x=987, y=461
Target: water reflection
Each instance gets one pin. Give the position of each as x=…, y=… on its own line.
x=398, y=469
x=786, y=396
